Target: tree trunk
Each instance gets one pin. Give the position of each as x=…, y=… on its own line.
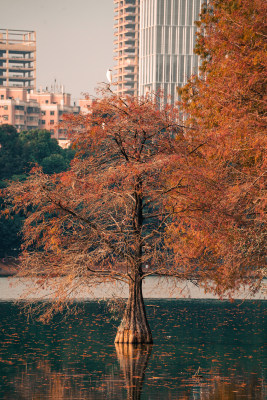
x=134, y=327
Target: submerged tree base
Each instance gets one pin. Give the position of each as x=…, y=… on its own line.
x=129, y=336
x=134, y=327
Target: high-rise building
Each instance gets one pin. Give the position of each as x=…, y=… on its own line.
x=160, y=35
x=166, y=47
x=18, y=59
x=126, y=46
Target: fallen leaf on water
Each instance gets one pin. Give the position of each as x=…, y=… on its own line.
x=156, y=377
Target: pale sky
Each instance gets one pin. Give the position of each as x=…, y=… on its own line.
x=74, y=39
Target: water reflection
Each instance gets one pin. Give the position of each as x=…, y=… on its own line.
x=202, y=351
x=223, y=388
x=44, y=383
x=133, y=361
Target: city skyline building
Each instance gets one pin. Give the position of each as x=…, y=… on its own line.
x=166, y=46
x=163, y=49
x=18, y=59
x=126, y=46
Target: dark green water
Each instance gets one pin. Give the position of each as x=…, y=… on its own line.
x=203, y=349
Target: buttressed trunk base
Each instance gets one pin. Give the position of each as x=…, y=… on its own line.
x=134, y=327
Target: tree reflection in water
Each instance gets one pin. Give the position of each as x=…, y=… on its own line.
x=133, y=361
x=230, y=388
x=41, y=382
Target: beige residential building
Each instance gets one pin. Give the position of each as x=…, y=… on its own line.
x=35, y=110
x=126, y=46
x=85, y=105
x=21, y=105
x=18, y=59
x=17, y=109
x=53, y=104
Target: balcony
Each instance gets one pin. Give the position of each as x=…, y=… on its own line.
x=18, y=47
x=124, y=25
x=16, y=86
x=16, y=69
x=20, y=78
x=18, y=59
x=131, y=14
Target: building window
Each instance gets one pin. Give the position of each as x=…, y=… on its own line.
x=5, y=107
x=52, y=112
x=43, y=112
x=43, y=122
x=2, y=97
x=5, y=117
x=46, y=102
x=32, y=110
x=51, y=122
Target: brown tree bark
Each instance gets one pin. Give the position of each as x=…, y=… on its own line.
x=134, y=327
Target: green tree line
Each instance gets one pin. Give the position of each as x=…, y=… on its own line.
x=19, y=152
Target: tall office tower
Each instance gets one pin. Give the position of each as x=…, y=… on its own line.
x=18, y=59
x=167, y=40
x=126, y=46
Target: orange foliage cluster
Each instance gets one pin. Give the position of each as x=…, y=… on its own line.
x=106, y=217
x=226, y=108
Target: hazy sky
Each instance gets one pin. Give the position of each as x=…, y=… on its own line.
x=74, y=39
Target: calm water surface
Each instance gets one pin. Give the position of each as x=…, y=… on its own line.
x=203, y=349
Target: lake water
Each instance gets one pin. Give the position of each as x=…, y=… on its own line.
x=203, y=349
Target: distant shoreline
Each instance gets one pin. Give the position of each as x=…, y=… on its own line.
x=15, y=288
x=8, y=267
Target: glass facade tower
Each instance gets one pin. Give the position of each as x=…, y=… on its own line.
x=166, y=44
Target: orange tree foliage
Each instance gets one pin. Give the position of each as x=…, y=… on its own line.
x=106, y=218
x=226, y=108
